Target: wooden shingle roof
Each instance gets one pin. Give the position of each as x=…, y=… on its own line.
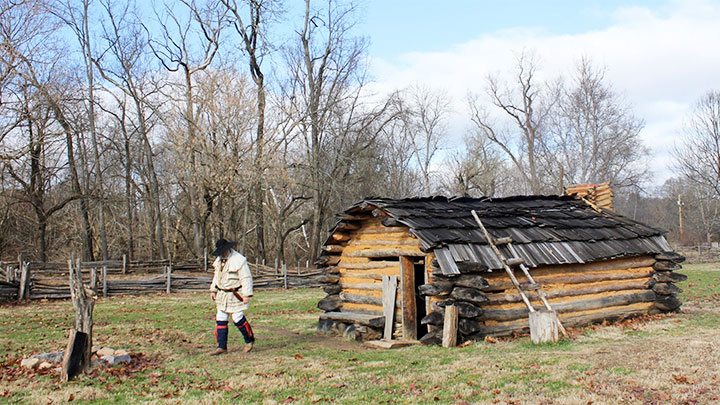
x=545, y=230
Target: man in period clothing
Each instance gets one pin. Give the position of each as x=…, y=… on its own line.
x=231, y=289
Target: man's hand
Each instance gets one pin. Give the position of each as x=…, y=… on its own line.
x=212, y=295
x=245, y=300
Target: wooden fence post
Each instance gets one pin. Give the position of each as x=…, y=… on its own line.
x=205, y=261
x=93, y=279
x=124, y=265
x=23, y=289
x=298, y=267
x=285, y=275
x=104, y=281
x=450, y=326
x=168, y=281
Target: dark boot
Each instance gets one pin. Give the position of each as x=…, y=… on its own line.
x=244, y=327
x=221, y=336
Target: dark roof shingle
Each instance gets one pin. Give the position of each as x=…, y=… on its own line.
x=545, y=229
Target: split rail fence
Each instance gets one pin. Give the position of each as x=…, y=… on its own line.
x=23, y=280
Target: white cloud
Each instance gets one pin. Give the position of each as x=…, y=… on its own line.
x=661, y=60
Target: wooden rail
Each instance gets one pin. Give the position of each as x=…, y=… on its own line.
x=25, y=280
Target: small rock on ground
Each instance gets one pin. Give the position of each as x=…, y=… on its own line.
x=45, y=365
x=30, y=363
x=106, y=351
x=113, y=360
x=52, y=357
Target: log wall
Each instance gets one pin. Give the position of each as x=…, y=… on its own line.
x=359, y=258
x=580, y=293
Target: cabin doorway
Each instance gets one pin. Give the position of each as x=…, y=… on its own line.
x=413, y=306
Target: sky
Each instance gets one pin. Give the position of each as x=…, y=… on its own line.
x=660, y=56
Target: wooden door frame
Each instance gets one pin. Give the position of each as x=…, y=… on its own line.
x=408, y=298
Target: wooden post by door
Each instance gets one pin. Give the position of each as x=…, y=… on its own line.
x=407, y=289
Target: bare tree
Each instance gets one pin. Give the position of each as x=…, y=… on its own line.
x=123, y=64
x=325, y=88
x=177, y=51
x=52, y=82
x=252, y=29
x=426, y=123
x=76, y=17
x=478, y=170
x=527, y=104
x=698, y=156
x=595, y=133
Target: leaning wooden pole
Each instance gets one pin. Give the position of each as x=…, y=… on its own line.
x=507, y=268
x=79, y=347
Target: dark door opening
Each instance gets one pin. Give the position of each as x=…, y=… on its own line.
x=413, y=305
x=419, y=267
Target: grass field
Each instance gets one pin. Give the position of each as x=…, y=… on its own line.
x=666, y=359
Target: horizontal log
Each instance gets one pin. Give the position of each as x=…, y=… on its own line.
x=563, y=290
x=338, y=237
x=438, y=288
x=667, y=303
x=385, y=242
x=332, y=289
x=353, y=317
x=569, y=320
x=571, y=306
x=670, y=256
x=666, y=289
x=391, y=222
x=469, y=294
x=362, y=286
x=467, y=267
x=604, y=265
x=348, y=226
x=465, y=309
x=433, y=318
x=384, y=252
x=329, y=278
x=666, y=266
x=504, y=283
x=330, y=303
x=468, y=326
x=365, y=299
x=669, y=277
x=378, y=264
x=360, y=299
x=471, y=281
x=371, y=276
x=333, y=248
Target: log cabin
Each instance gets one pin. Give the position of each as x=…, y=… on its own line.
x=406, y=260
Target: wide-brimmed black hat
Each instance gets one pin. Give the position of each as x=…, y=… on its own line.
x=222, y=245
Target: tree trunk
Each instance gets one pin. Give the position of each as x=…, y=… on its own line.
x=258, y=193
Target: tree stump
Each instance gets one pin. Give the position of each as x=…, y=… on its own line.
x=543, y=326
x=80, y=341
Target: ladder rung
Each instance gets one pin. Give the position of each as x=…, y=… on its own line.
x=513, y=261
x=530, y=286
x=502, y=241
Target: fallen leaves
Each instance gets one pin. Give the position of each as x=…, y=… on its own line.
x=681, y=379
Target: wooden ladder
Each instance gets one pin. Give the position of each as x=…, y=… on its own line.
x=508, y=263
